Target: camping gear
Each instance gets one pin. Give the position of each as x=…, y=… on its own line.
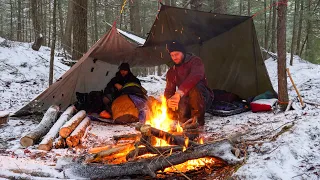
x=262, y=105
x=227, y=44
x=105, y=114
x=124, y=110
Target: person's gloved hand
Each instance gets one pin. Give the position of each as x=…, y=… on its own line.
x=173, y=102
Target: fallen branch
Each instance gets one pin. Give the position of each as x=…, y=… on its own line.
x=150, y=166
x=43, y=127
x=75, y=137
x=69, y=126
x=47, y=142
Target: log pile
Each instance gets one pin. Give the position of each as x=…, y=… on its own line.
x=67, y=131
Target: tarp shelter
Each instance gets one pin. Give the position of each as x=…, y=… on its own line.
x=227, y=44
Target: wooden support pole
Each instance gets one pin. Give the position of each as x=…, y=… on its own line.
x=300, y=98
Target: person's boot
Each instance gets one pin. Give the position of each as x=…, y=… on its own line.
x=197, y=105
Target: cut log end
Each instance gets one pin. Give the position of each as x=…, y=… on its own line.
x=26, y=141
x=65, y=132
x=46, y=147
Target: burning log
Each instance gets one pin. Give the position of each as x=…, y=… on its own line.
x=144, y=150
x=220, y=150
x=98, y=157
x=69, y=126
x=75, y=137
x=60, y=143
x=147, y=130
x=47, y=142
x=99, y=149
x=43, y=127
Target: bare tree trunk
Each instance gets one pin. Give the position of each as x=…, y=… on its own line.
x=300, y=28
x=1, y=25
x=11, y=20
x=36, y=25
x=68, y=31
x=249, y=7
x=220, y=6
x=19, y=29
x=273, y=36
x=80, y=39
x=49, y=25
x=269, y=26
x=240, y=5
x=61, y=22
x=281, y=47
x=265, y=26
x=95, y=20
x=53, y=46
x=135, y=17
x=309, y=40
x=294, y=38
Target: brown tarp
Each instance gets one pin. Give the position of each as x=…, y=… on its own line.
x=227, y=45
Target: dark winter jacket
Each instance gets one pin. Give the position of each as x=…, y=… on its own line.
x=129, y=78
x=185, y=76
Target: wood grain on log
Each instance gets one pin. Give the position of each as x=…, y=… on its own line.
x=71, y=125
x=150, y=166
x=47, y=142
x=43, y=127
x=75, y=137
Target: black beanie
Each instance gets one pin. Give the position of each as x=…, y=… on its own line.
x=124, y=66
x=176, y=46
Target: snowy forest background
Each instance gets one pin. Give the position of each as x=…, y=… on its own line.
x=77, y=24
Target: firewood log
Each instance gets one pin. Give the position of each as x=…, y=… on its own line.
x=60, y=143
x=47, y=142
x=75, y=137
x=127, y=137
x=98, y=157
x=149, y=166
x=147, y=130
x=69, y=126
x=96, y=150
x=43, y=127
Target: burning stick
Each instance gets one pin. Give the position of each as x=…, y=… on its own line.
x=147, y=130
x=144, y=150
x=98, y=157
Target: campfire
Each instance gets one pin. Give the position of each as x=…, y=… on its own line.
x=160, y=137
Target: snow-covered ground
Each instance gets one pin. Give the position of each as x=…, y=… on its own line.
x=280, y=145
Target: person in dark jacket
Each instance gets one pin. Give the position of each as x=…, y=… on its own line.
x=187, y=91
x=115, y=87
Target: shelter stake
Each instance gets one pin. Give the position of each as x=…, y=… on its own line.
x=300, y=99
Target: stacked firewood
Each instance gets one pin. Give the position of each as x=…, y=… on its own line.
x=68, y=130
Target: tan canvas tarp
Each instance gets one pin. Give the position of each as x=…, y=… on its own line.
x=227, y=45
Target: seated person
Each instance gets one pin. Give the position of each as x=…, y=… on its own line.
x=114, y=88
x=187, y=91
